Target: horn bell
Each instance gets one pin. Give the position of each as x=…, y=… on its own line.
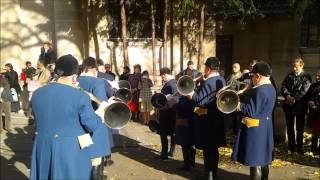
x=185, y=85
x=227, y=101
x=117, y=115
x=158, y=100
x=124, y=94
x=124, y=84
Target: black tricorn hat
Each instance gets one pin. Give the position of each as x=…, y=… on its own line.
x=66, y=65
x=212, y=63
x=262, y=68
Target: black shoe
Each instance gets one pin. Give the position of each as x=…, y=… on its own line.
x=172, y=151
x=211, y=175
x=171, y=155
x=162, y=157
x=184, y=168
x=255, y=173
x=300, y=151
x=108, y=162
x=264, y=173
x=30, y=121
x=97, y=173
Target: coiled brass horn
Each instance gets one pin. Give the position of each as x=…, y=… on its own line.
x=116, y=114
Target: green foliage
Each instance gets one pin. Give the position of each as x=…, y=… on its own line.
x=243, y=9
x=187, y=6
x=300, y=6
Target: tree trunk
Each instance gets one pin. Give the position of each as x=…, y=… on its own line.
x=181, y=40
x=93, y=24
x=171, y=35
x=96, y=43
x=124, y=33
x=201, y=31
x=84, y=8
x=165, y=37
x=153, y=25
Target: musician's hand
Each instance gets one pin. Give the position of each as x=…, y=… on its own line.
x=312, y=105
x=238, y=109
x=290, y=100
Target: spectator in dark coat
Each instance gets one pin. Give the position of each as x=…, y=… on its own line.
x=126, y=73
x=134, y=80
x=313, y=98
x=47, y=53
x=294, y=87
x=5, y=103
x=13, y=80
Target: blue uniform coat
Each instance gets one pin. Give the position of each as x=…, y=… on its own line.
x=184, y=132
x=167, y=117
x=102, y=139
x=209, y=128
x=254, y=145
x=107, y=86
x=61, y=113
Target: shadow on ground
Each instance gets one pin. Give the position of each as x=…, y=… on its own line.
x=16, y=153
x=131, y=149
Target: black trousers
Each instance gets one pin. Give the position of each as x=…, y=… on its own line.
x=165, y=145
x=295, y=143
x=256, y=174
x=211, y=159
x=236, y=120
x=188, y=153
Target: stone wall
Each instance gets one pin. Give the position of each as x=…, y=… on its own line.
x=26, y=24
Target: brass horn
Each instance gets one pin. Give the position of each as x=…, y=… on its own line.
x=159, y=100
x=228, y=99
x=186, y=84
x=117, y=114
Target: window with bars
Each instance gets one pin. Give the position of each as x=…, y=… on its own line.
x=310, y=28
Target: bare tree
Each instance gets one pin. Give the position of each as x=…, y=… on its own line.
x=124, y=33
x=201, y=33
x=165, y=34
x=153, y=24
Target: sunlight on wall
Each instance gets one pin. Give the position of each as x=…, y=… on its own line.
x=68, y=47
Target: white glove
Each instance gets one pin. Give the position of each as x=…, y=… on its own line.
x=100, y=110
x=96, y=161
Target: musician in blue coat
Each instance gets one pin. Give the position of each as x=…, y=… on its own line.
x=254, y=143
x=167, y=115
x=209, y=126
x=89, y=82
x=184, y=131
x=59, y=150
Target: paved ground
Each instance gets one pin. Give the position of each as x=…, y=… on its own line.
x=135, y=158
